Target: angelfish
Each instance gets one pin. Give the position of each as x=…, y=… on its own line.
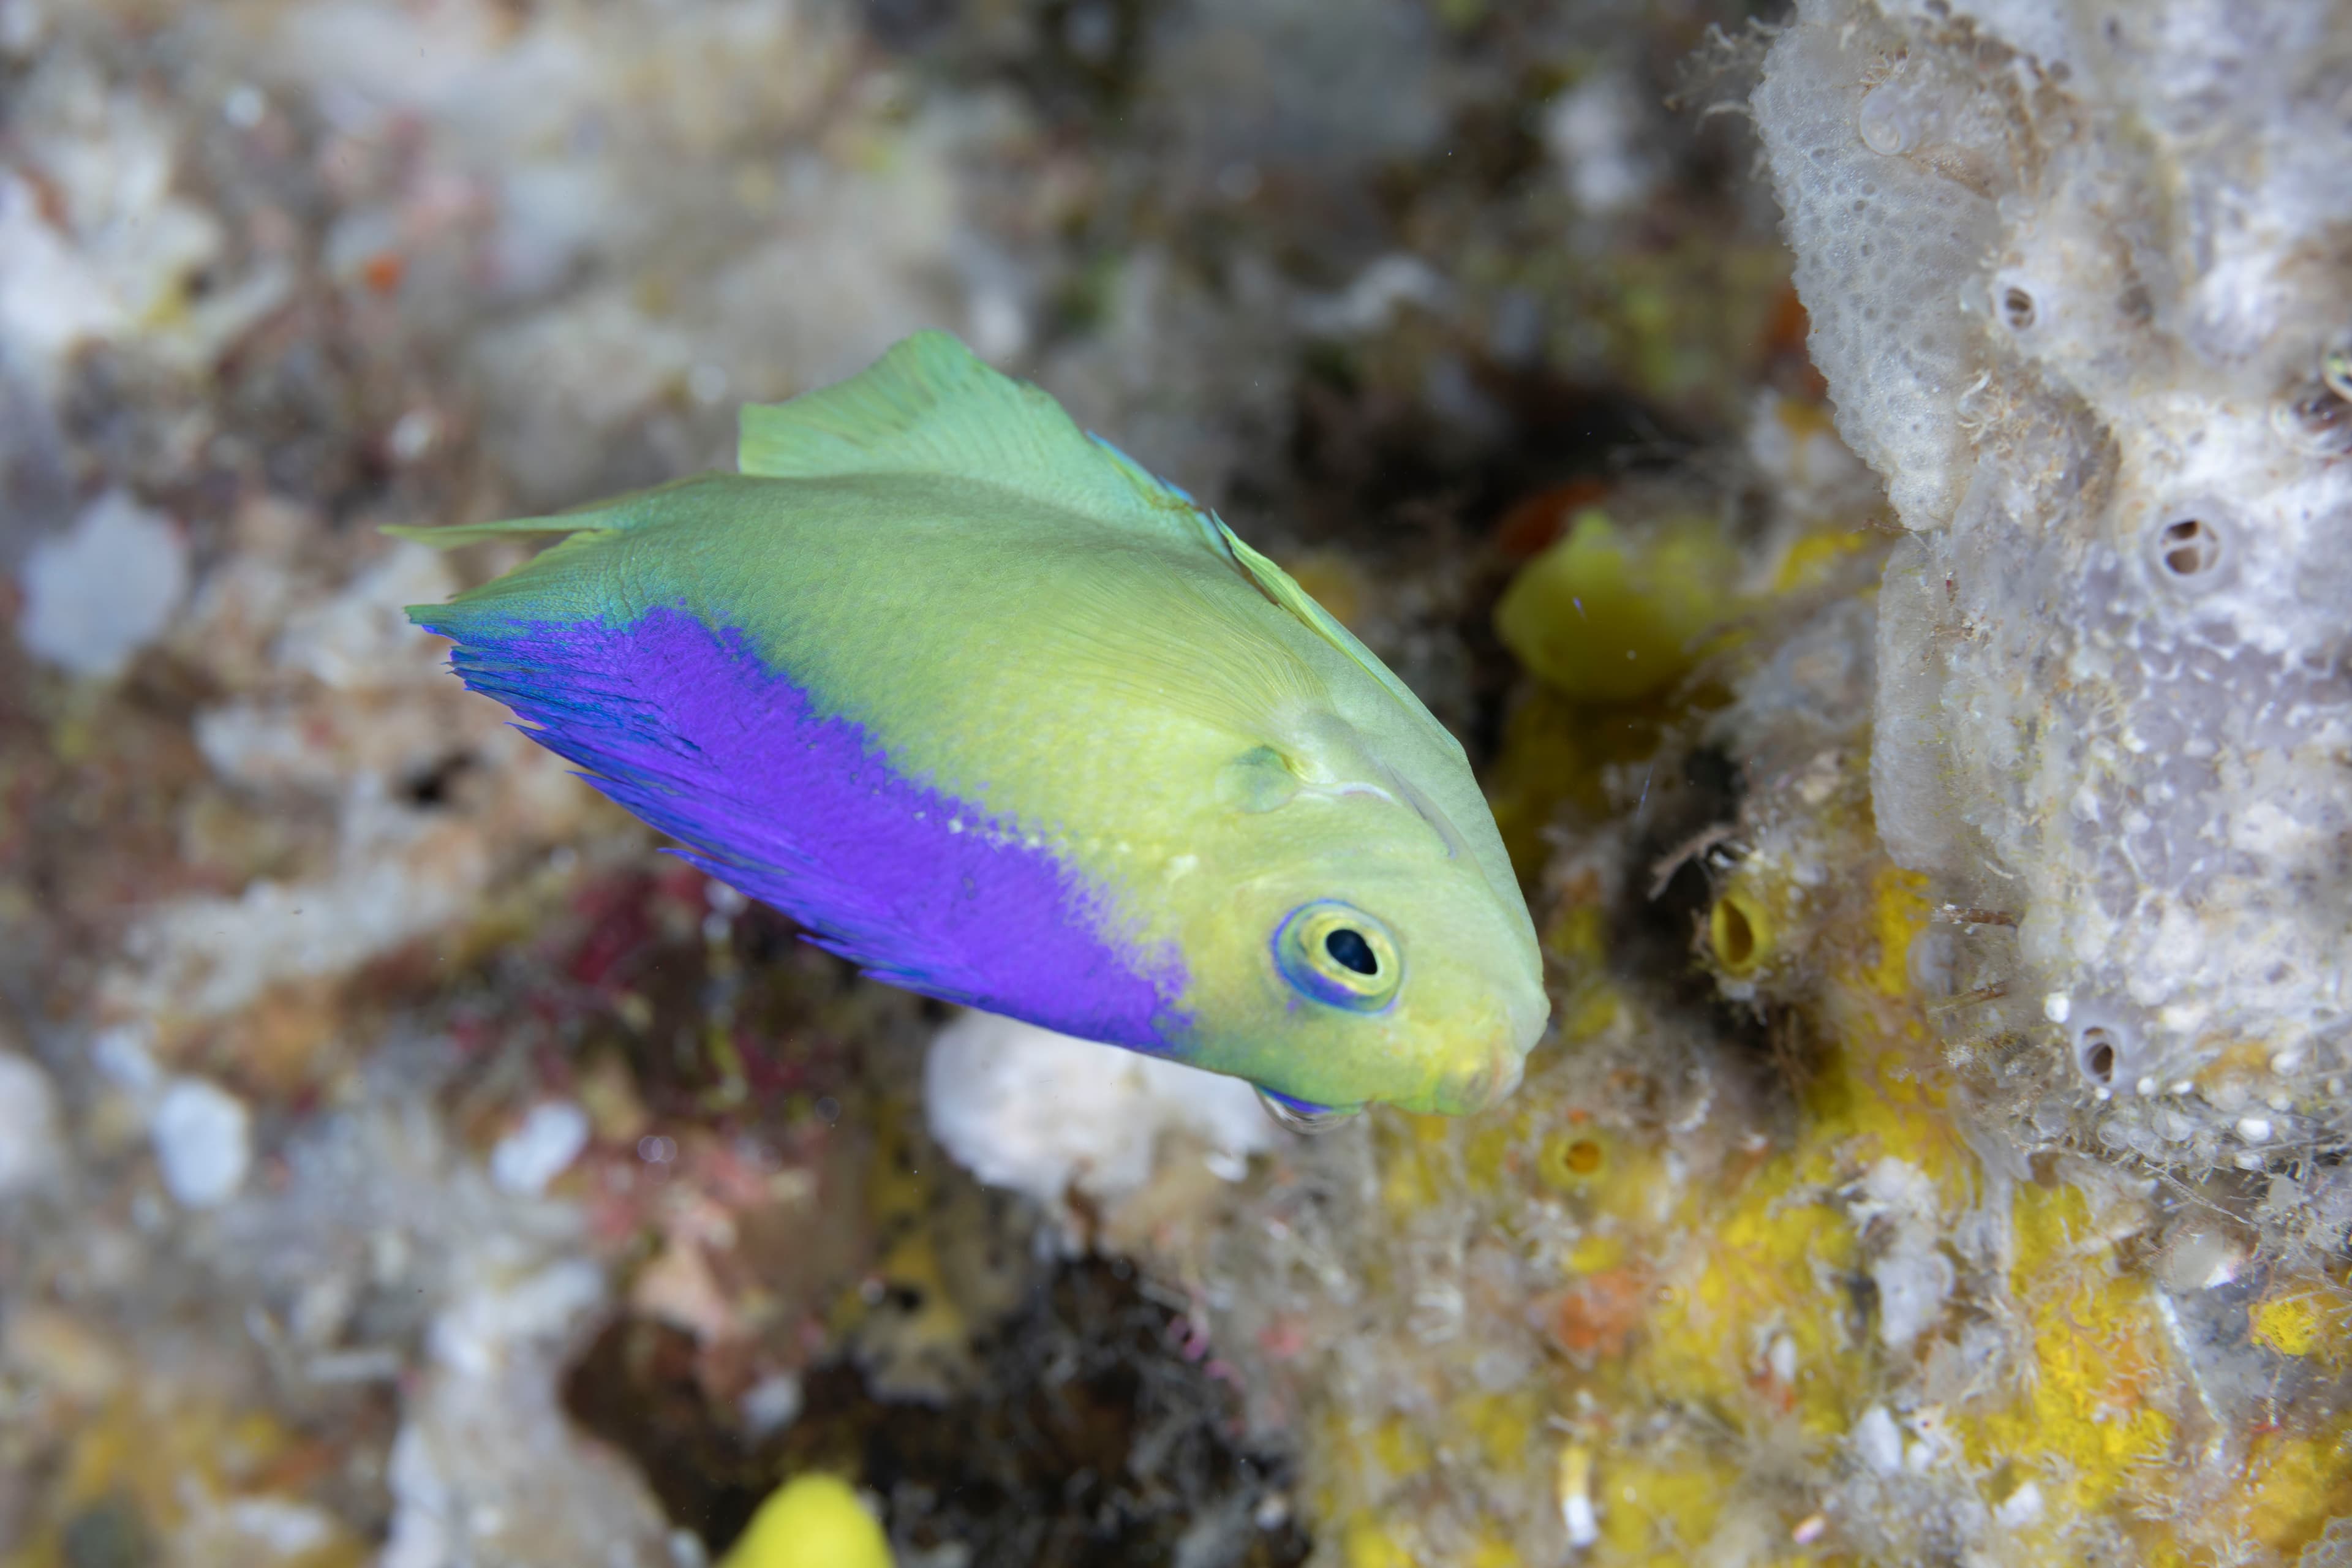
x=1004, y=720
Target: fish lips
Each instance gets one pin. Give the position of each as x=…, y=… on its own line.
x=1481, y=1085
x=1483, y=1081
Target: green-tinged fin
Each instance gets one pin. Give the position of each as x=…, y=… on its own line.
x=1284, y=591
x=929, y=408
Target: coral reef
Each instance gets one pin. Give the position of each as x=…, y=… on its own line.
x=1923, y=759
x=1995, y=1220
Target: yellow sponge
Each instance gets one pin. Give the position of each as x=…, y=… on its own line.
x=811, y=1522
x=1606, y=616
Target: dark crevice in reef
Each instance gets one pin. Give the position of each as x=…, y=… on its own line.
x=1092, y=1441
x=1414, y=491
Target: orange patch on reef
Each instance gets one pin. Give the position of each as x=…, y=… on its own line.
x=1598, y=1314
x=1530, y=528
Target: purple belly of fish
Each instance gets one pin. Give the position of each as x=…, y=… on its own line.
x=691, y=730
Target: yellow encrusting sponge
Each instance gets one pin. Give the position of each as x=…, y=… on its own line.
x=812, y=1521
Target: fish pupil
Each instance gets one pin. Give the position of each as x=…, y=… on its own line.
x=1349, y=948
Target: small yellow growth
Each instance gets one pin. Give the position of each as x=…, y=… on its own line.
x=1777, y=1241
x=1597, y=1251
x=2090, y=1412
x=1546, y=760
x=1368, y=1545
x=1632, y=1182
x=607, y=1091
x=1774, y=1244
x=1410, y=1176
x=1659, y=1513
x=1604, y=616
x=1400, y=1447
x=811, y=1522
x=2296, y=1485
x=1741, y=933
x=2051, y=1226
x=1568, y=1161
x=167, y=1461
x=1812, y=557
x=1899, y=912
x=931, y=1342
x=1883, y=1090
x=1487, y=1157
x=2247, y=1062
x=1578, y=935
x=2298, y=1321
x=1590, y=1015
x=1489, y=1552
x=1575, y=944
x=1504, y=1424
x=1405, y=1187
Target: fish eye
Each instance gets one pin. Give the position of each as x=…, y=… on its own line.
x=1339, y=956
x=1349, y=946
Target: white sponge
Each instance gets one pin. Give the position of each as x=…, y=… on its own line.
x=1024, y=1108
x=1888, y=245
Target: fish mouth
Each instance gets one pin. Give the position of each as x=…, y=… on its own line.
x=1477, y=1085
x=1508, y=1028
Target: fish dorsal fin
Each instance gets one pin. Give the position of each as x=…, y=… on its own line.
x=930, y=409
x=1284, y=591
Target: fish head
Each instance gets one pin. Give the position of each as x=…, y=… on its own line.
x=1353, y=956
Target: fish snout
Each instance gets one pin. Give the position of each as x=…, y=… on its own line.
x=1509, y=1026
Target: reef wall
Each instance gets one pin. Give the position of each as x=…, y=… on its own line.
x=1997, y=1218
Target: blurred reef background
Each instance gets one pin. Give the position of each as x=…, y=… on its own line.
x=1868, y=485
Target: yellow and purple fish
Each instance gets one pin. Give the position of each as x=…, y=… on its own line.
x=1007, y=721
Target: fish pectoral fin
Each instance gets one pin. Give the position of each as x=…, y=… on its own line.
x=930, y=409
x=1300, y=1115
